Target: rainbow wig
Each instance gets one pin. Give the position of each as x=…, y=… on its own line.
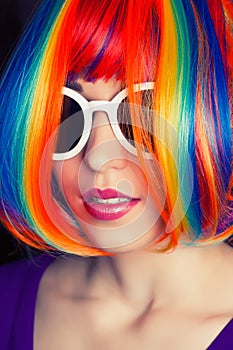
x=185, y=47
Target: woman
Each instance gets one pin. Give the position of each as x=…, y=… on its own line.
x=116, y=159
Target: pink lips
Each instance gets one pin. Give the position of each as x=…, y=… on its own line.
x=118, y=204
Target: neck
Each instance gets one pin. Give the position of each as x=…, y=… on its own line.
x=176, y=280
x=163, y=278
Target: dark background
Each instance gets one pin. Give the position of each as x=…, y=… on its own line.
x=14, y=16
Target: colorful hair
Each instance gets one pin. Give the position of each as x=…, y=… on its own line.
x=185, y=47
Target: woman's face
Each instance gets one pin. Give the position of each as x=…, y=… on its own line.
x=105, y=186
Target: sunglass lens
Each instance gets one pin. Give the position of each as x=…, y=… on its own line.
x=135, y=117
x=71, y=127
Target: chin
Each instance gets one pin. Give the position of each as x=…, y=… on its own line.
x=122, y=240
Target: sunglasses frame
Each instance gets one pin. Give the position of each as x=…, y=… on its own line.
x=110, y=108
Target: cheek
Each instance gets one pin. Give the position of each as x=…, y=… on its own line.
x=66, y=174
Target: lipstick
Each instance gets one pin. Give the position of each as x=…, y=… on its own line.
x=108, y=204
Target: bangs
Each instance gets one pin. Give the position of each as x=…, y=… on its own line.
x=107, y=35
x=97, y=48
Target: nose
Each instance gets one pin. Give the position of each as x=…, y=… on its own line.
x=103, y=150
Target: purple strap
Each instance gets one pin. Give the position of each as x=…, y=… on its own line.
x=224, y=340
x=19, y=282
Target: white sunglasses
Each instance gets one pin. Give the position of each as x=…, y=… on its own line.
x=77, y=114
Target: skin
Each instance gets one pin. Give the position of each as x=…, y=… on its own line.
x=104, y=163
x=136, y=298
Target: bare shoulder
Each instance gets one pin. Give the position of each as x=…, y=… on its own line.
x=223, y=277
x=67, y=275
x=60, y=305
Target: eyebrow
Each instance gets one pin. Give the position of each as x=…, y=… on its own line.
x=72, y=81
x=72, y=84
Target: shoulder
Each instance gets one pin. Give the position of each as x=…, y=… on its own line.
x=222, y=288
